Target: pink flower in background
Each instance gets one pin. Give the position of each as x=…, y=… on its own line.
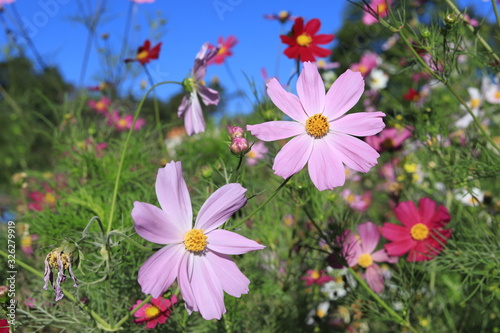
x=314, y=276
x=4, y=324
x=376, y=7
x=42, y=200
x=389, y=139
x=422, y=233
x=157, y=311
x=5, y=2
x=190, y=109
x=196, y=256
x=283, y=16
x=125, y=122
x=368, y=61
x=357, y=202
x=256, y=153
x=358, y=250
x=323, y=135
x=223, y=50
x=101, y=106
x=143, y=1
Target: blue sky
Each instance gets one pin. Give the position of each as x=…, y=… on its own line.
x=61, y=41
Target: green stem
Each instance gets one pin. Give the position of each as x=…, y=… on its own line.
x=84, y=307
x=116, y=232
x=156, y=107
x=124, y=151
x=315, y=224
x=131, y=313
x=380, y=301
x=246, y=218
x=471, y=28
x=495, y=9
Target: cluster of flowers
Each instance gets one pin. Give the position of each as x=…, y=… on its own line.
x=113, y=117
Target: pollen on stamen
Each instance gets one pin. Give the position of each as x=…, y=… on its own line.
x=317, y=126
x=195, y=240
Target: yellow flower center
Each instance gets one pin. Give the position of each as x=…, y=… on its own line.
x=26, y=241
x=251, y=154
x=317, y=126
x=475, y=103
x=363, y=69
x=195, y=240
x=497, y=94
x=142, y=55
x=410, y=167
x=283, y=14
x=365, y=260
x=315, y=275
x=350, y=198
x=222, y=50
x=304, y=40
x=49, y=198
x=152, y=312
x=320, y=313
x=52, y=259
x=381, y=9
x=419, y=231
x=122, y=123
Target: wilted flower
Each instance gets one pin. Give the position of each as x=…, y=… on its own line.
x=422, y=233
x=196, y=256
x=61, y=258
x=145, y=53
x=157, y=311
x=303, y=41
x=323, y=133
x=190, y=108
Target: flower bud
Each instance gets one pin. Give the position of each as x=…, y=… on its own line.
x=235, y=131
x=4, y=297
x=239, y=146
x=425, y=33
x=450, y=19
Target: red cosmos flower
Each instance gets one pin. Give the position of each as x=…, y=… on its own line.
x=303, y=42
x=145, y=53
x=422, y=235
x=224, y=50
x=157, y=311
x=314, y=276
x=4, y=325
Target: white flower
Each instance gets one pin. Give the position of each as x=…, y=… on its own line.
x=378, y=79
x=472, y=198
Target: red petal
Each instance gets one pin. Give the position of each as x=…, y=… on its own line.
x=323, y=39
x=319, y=51
x=292, y=52
x=288, y=40
x=298, y=26
x=312, y=27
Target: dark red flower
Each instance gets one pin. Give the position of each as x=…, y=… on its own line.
x=303, y=41
x=411, y=95
x=145, y=53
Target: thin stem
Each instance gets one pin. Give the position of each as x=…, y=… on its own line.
x=85, y=231
x=84, y=307
x=118, y=233
x=246, y=218
x=156, y=107
x=131, y=313
x=495, y=9
x=322, y=234
x=471, y=28
x=124, y=151
x=380, y=301
x=124, y=45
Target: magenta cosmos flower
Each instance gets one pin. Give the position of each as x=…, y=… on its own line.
x=422, y=233
x=190, y=108
x=157, y=311
x=196, y=256
x=376, y=9
x=358, y=250
x=323, y=133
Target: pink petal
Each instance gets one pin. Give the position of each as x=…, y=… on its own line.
x=441, y=217
x=325, y=168
x=407, y=213
x=359, y=124
x=193, y=116
x=395, y=232
x=276, y=130
x=233, y=281
x=293, y=156
x=227, y=242
x=369, y=235
x=184, y=280
x=311, y=89
x=208, y=95
x=343, y=94
x=286, y=101
x=351, y=249
x=400, y=247
x=382, y=256
x=220, y=206
x=173, y=195
x=374, y=278
x=356, y=154
x=427, y=208
x=207, y=289
x=152, y=224
x=160, y=270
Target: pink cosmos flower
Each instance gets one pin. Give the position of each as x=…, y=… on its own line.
x=313, y=276
x=256, y=153
x=357, y=202
x=389, y=139
x=125, y=122
x=376, y=9
x=157, y=311
x=143, y=1
x=323, y=133
x=283, y=16
x=5, y=2
x=100, y=106
x=40, y=200
x=368, y=61
x=358, y=250
x=190, y=108
x=4, y=324
x=196, y=256
x=223, y=50
x=422, y=235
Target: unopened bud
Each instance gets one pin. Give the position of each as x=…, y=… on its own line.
x=239, y=146
x=235, y=131
x=425, y=33
x=450, y=19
